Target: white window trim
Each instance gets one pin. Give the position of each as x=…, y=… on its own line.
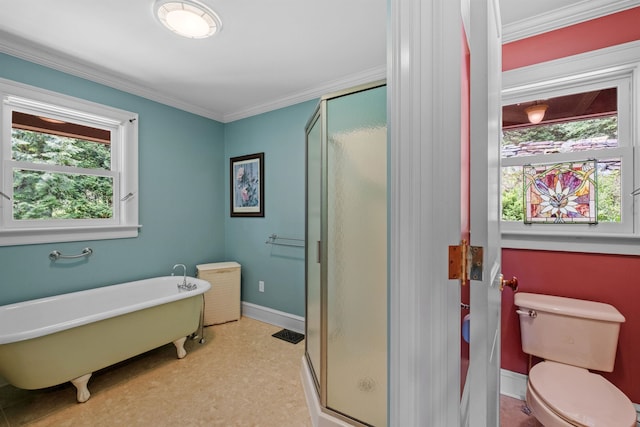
x=124, y=164
x=605, y=64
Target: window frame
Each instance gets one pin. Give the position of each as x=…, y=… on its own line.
x=617, y=66
x=123, y=126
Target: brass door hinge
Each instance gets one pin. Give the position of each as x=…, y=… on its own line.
x=465, y=262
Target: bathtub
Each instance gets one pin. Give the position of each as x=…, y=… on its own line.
x=49, y=341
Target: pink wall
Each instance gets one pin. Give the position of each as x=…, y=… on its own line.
x=613, y=279
x=607, y=31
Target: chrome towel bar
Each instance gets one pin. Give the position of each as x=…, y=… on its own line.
x=56, y=255
x=274, y=240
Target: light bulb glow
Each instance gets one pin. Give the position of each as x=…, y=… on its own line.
x=535, y=113
x=187, y=23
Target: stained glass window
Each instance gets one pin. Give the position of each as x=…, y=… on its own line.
x=561, y=193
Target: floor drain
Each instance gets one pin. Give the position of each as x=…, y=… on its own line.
x=289, y=336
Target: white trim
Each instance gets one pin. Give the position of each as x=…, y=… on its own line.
x=554, y=19
x=31, y=52
x=557, y=18
x=483, y=375
x=56, y=60
x=274, y=317
x=514, y=384
x=626, y=245
x=318, y=418
x=123, y=126
x=30, y=236
x=464, y=406
x=367, y=76
x=424, y=134
x=587, y=68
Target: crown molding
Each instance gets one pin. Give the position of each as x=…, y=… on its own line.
x=584, y=10
x=555, y=19
x=20, y=48
x=59, y=61
x=367, y=76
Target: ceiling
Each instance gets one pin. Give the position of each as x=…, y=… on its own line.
x=269, y=54
x=585, y=105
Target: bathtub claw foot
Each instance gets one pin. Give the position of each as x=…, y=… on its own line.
x=80, y=384
x=179, y=343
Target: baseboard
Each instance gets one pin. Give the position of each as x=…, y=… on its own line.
x=514, y=385
x=274, y=317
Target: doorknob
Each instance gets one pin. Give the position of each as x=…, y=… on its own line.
x=511, y=283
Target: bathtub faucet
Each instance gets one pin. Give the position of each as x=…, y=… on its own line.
x=184, y=285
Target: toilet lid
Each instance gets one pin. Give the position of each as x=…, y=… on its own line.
x=581, y=397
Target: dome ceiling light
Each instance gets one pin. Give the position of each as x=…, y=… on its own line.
x=188, y=18
x=535, y=113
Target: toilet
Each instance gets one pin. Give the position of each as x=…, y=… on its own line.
x=572, y=336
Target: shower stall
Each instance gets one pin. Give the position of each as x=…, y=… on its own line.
x=346, y=255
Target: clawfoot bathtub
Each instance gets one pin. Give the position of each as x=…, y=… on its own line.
x=52, y=340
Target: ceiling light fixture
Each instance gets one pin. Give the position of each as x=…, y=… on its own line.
x=188, y=18
x=50, y=120
x=535, y=113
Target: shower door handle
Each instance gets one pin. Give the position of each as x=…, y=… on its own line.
x=318, y=260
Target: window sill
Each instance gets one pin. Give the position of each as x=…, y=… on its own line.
x=620, y=244
x=24, y=236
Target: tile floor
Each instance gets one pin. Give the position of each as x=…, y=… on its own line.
x=240, y=377
x=512, y=414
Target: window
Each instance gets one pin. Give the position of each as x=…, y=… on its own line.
x=567, y=175
x=69, y=168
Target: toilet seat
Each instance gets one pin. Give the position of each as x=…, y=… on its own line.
x=578, y=397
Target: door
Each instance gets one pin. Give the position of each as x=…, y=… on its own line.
x=483, y=379
x=356, y=254
x=346, y=255
x=313, y=318
x=425, y=132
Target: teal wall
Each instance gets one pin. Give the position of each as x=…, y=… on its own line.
x=280, y=135
x=181, y=189
x=184, y=201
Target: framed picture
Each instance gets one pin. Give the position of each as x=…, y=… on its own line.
x=247, y=185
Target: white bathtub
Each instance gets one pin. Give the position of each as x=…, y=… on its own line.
x=49, y=341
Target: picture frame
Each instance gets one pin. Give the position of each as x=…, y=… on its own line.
x=247, y=185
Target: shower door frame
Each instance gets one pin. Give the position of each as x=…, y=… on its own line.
x=320, y=116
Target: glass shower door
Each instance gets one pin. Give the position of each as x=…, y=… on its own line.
x=346, y=254
x=356, y=258
x=313, y=297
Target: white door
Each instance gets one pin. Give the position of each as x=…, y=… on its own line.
x=483, y=379
x=425, y=130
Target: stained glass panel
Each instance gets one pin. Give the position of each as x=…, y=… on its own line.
x=561, y=193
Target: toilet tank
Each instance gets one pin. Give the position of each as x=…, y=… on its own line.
x=566, y=330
